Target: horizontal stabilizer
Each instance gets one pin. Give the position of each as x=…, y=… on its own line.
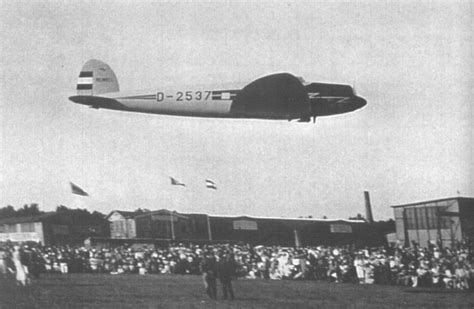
x=98, y=102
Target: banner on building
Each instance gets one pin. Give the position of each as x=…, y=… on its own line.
x=60, y=229
x=245, y=225
x=341, y=228
x=19, y=237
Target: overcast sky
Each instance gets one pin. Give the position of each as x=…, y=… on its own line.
x=412, y=142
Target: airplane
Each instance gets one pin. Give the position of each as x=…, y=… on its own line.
x=279, y=96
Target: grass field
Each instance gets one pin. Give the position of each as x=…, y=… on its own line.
x=174, y=291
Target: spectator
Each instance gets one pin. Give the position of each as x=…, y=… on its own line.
x=209, y=271
x=433, y=266
x=226, y=270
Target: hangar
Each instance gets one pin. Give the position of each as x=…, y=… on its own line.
x=443, y=221
x=197, y=227
x=53, y=228
x=122, y=223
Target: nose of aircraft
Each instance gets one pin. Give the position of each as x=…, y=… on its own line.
x=359, y=102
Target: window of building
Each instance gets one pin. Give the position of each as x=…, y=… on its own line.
x=421, y=218
x=27, y=227
x=410, y=218
x=10, y=228
x=118, y=227
x=432, y=217
x=426, y=218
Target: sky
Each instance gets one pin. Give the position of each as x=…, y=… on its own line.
x=412, y=62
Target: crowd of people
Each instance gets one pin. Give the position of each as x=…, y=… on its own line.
x=408, y=266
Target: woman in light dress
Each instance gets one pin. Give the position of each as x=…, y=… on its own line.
x=21, y=270
x=3, y=265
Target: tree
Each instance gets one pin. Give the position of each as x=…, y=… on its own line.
x=358, y=217
x=385, y=227
x=7, y=212
x=98, y=214
x=139, y=210
x=28, y=210
x=61, y=208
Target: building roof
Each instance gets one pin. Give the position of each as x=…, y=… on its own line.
x=277, y=218
x=36, y=218
x=434, y=201
x=184, y=214
x=285, y=218
x=126, y=214
x=161, y=212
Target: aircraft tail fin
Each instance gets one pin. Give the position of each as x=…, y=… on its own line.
x=96, y=77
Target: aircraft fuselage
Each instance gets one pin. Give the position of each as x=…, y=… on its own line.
x=276, y=96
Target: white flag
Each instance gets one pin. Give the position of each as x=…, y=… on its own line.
x=210, y=184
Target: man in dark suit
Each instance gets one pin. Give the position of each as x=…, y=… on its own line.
x=226, y=270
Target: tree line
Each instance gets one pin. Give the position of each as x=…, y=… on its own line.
x=33, y=209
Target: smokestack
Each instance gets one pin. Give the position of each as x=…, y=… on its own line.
x=368, y=208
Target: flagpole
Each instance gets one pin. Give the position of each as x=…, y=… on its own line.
x=172, y=226
x=209, y=227
x=171, y=216
x=174, y=182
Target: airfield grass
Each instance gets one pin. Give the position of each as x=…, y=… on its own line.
x=175, y=291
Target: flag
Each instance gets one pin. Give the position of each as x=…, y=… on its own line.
x=175, y=182
x=210, y=184
x=75, y=189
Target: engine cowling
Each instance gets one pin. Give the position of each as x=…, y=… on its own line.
x=276, y=96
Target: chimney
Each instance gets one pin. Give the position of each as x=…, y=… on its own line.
x=368, y=208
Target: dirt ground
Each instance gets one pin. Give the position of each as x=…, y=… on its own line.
x=174, y=291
